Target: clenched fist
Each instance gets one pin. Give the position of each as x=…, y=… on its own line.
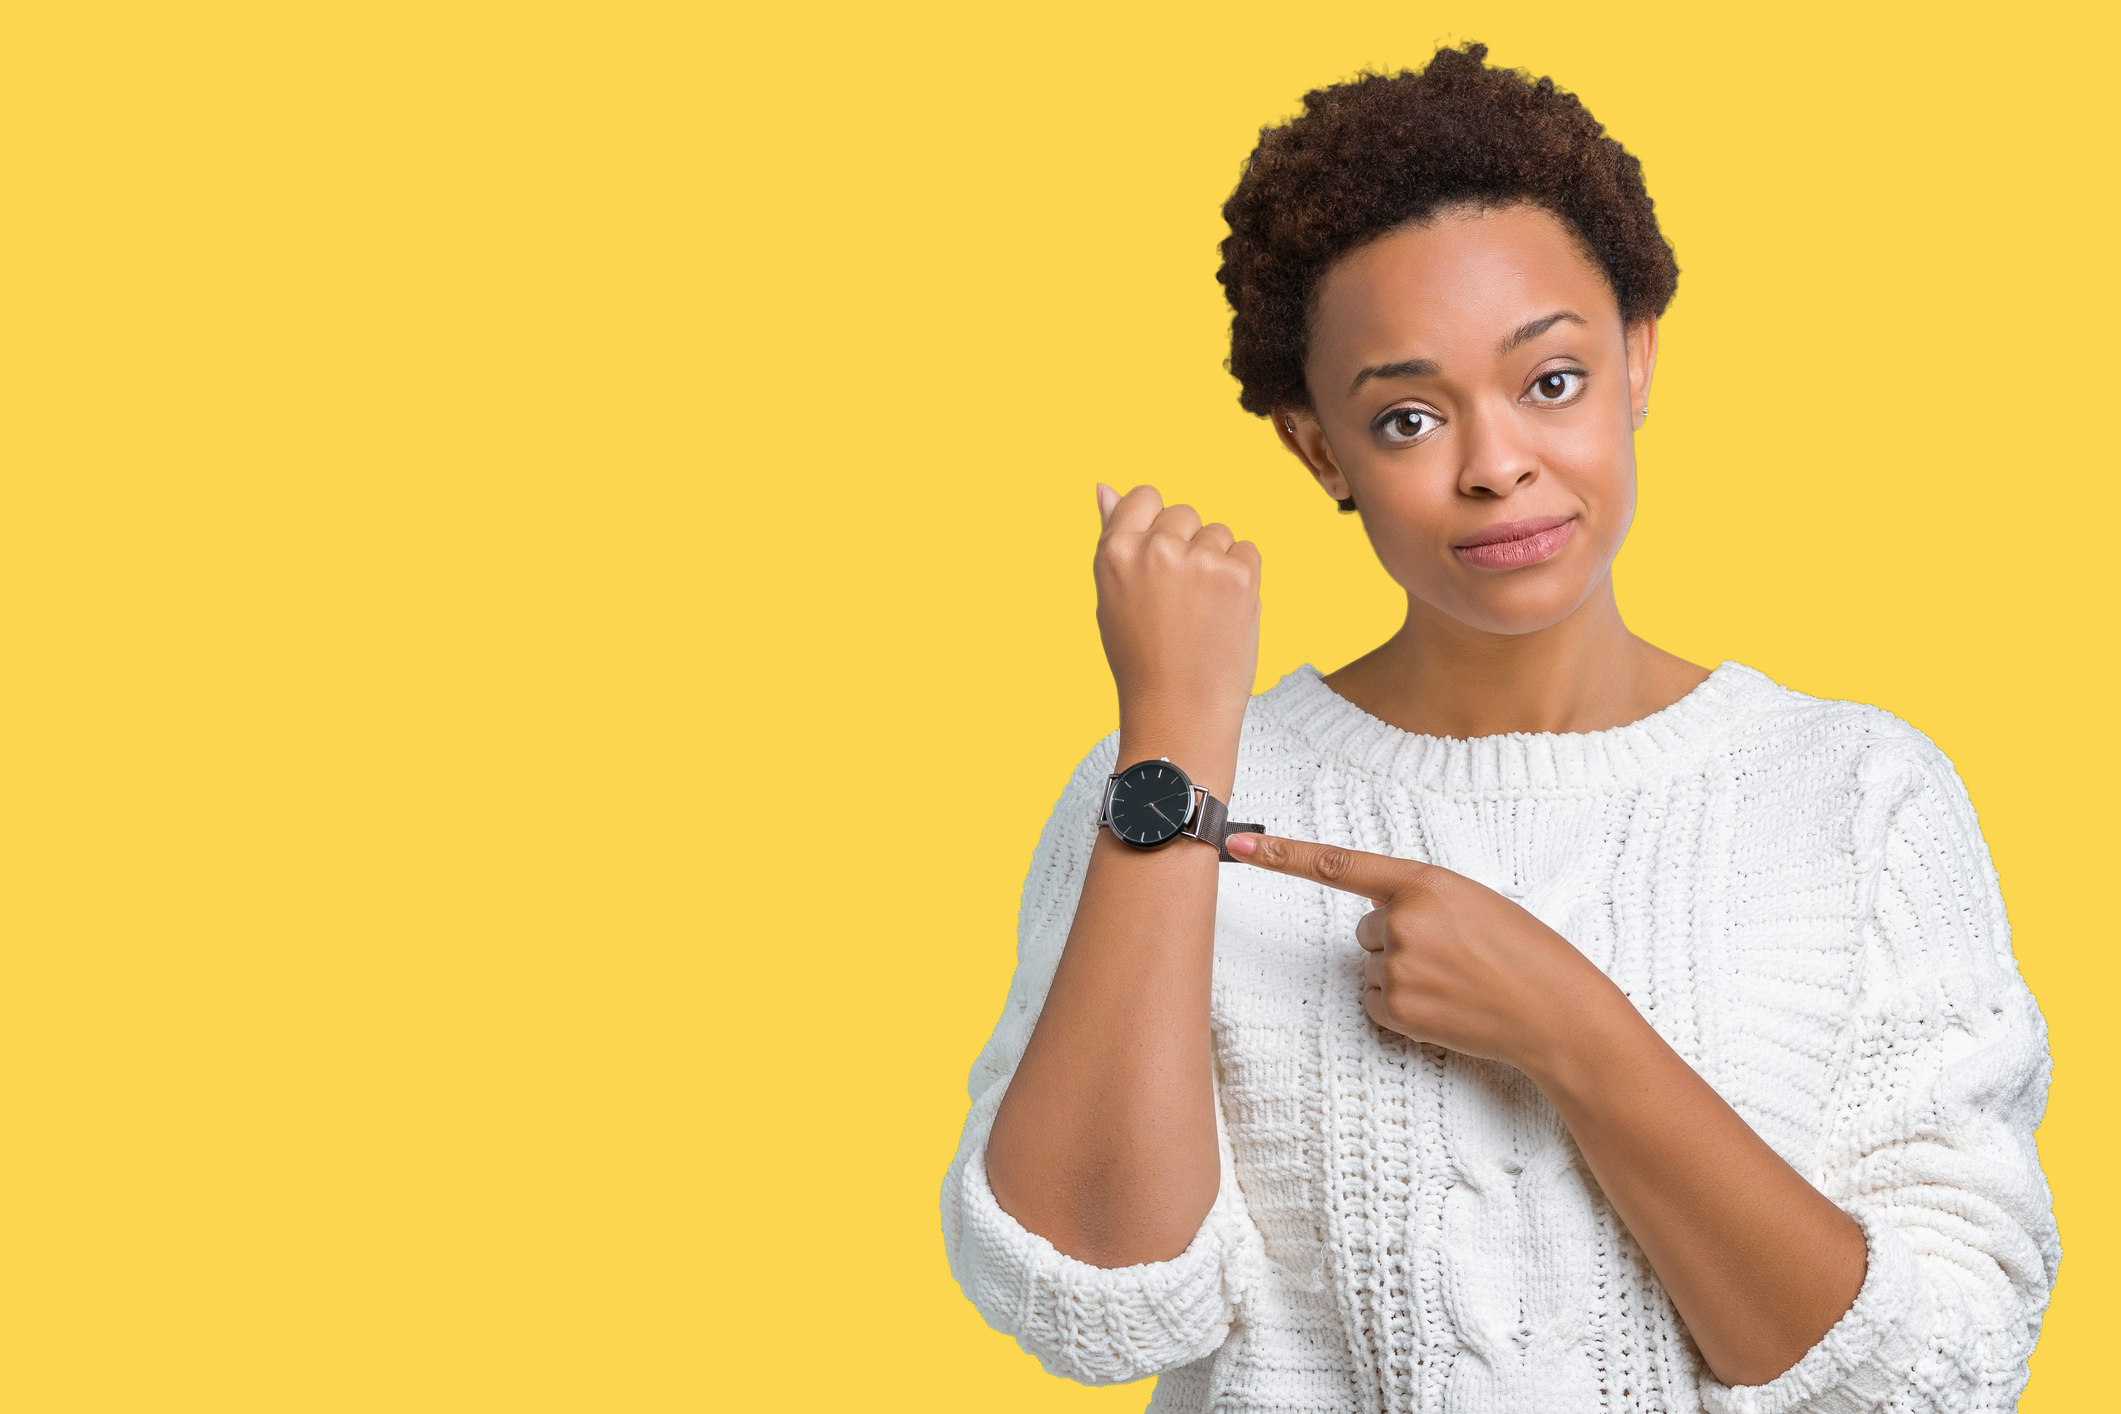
x=1178, y=608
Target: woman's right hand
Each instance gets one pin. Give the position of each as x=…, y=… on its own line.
x=1178, y=608
x=1104, y=1143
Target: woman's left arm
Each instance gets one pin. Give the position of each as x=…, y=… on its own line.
x=1939, y=1087
x=1933, y=1242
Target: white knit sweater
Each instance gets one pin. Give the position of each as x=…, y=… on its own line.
x=1796, y=895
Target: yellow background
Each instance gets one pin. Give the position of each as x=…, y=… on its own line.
x=546, y=600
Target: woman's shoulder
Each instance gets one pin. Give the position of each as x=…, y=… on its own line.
x=1772, y=723
x=1857, y=771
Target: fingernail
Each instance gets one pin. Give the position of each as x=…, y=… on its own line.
x=1242, y=845
x=1107, y=498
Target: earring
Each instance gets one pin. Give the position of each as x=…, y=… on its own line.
x=1289, y=423
x=1645, y=412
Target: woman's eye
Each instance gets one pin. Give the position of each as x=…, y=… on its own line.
x=1403, y=425
x=1557, y=387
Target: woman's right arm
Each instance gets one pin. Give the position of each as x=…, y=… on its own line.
x=1091, y=1211
x=1105, y=1142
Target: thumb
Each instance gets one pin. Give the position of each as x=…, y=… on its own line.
x=1107, y=498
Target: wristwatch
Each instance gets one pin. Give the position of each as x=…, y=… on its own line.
x=1153, y=802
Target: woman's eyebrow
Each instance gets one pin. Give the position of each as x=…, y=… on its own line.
x=1536, y=327
x=1405, y=368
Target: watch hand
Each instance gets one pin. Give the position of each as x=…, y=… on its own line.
x=1167, y=819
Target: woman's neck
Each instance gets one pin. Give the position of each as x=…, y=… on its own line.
x=1439, y=677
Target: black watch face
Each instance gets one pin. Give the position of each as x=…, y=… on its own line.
x=1150, y=802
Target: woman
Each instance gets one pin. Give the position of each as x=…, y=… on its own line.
x=1589, y=1030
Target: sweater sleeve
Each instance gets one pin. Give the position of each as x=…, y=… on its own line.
x=1092, y=1324
x=1941, y=1081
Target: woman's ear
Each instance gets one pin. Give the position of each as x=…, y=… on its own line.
x=1306, y=441
x=1642, y=366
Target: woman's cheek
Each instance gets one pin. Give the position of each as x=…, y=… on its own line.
x=1411, y=541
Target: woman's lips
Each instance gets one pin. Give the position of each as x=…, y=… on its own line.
x=1516, y=543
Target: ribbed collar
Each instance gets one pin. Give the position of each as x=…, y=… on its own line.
x=1516, y=762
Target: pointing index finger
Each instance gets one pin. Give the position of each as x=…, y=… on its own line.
x=1376, y=877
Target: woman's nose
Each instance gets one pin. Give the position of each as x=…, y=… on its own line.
x=1497, y=463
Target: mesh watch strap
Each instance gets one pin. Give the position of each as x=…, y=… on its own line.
x=1212, y=825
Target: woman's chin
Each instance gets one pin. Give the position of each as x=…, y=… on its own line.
x=1513, y=610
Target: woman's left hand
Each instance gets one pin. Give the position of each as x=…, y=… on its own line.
x=1450, y=961
x=1758, y=1262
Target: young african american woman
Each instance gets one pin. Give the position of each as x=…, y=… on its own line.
x=1588, y=1030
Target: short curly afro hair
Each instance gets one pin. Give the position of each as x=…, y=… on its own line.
x=1367, y=157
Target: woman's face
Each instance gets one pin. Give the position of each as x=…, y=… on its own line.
x=1477, y=394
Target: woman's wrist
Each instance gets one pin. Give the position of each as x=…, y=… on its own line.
x=1183, y=710
x=1589, y=1030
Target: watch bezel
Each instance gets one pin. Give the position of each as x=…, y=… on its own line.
x=1193, y=794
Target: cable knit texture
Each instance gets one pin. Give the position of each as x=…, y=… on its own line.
x=1795, y=894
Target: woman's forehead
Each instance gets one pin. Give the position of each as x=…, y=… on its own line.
x=1457, y=283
